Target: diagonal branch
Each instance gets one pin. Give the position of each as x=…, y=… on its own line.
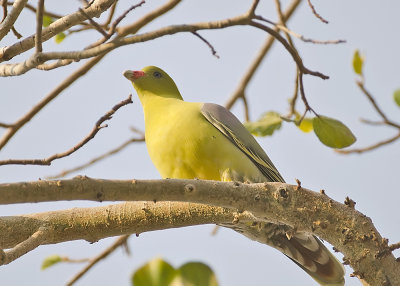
x=9, y=20
x=33, y=241
x=58, y=26
x=90, y=136
x=13, y=128
x=120, y=241
x=241, y=88
x=96, y=159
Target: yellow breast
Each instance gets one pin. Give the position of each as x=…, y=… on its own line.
x=183, y=144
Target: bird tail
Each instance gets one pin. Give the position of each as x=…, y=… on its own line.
x=305, y=249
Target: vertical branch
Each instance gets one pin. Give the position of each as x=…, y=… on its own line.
x=39, y=24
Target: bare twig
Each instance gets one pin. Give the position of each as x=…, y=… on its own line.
x=213, y=51
x=53, y=29
x=241, y=88
x=110, y=15
x=93, y=23
x=114, y=26
x=293, y=100
x=53, y=94
x=385, y=122
x=303, y=97
x=11, y=17
x=118, y=242
x=5, y=11
x=292, y=52
x=15, y=32
x=5, y=125
x=56, y=64
x=369, y=148
x=394, y=246
x=315, y=12
x=136, y=26
x=24, y=247
x=299, y=36
x=90, y=136
x=96, y=159
x=33, y=9
x=39, y=24
x=375, y=105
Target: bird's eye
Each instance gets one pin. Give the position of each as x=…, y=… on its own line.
x=157, y=74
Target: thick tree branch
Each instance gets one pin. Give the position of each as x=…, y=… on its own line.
x=9, y=20
x=93, y=224
x=58, y=26
x=351, y=232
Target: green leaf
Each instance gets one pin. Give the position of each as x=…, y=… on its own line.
x=358, y=61
x=157, y=272
x=197, y=274
x=50, y=261
x=266, y=125
x=396, y=96
x=332, y=132
x=60, y=37
x=47, y=20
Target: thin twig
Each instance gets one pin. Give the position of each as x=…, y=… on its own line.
x=394, y=246
x=375, y=105
x=39, y=24
x=114, y=26
x=136, y=26
x=119, y=241
x=110, y=15
x=96, y=159
x=246, y=108
x=303, y=97
x=53, y=94
x=93, y=23
x=315, y=12
x=293, y=100
x=90, y=136
x=369, y=148
x=6, y=125
x=241, y=88
x=213, y=51
x=5, y=11
x=33, y=9
x=15, y=32
x=287, y=46
x=371, y=122
x=299, y=36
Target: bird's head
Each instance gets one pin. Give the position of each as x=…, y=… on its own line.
x=153, y=80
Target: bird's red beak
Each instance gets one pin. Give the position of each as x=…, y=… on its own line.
x=133, y=75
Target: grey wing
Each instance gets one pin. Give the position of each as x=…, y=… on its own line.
x=233, y=129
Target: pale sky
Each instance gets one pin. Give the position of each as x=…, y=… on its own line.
x=370, y=179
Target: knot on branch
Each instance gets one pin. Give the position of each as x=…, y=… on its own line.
x=189, y=188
